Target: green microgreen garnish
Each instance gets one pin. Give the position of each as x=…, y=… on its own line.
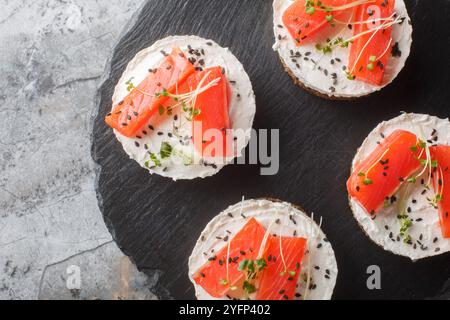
x=435, y=200
x=251, y=268
x=405, y=225
x=248, y=287
x=310, y=10
x=350, y=76
x=161, y=110
x=166, y=150
x=153, y=159
x=329, y=18
x=367, y=181
x=130, y=85
x=223, y=282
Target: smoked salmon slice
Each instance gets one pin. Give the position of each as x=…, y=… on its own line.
x=211, y=112
x=303, y=23
x=370, y=52
x=442, y=176
x=380, y=175
x=245, y=245
x=284, y=262
x=133, y=113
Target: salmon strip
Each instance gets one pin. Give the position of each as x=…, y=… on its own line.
x=303, y=26
x=213, y=105
x=369, y=54
x=279, y=279
x=134, y=112
x=213, y=277
x=379, y=176
x=442, y=185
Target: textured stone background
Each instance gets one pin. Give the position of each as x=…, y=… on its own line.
x=52, y=56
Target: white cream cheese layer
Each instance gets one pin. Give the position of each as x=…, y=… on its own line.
x=425, y=232
x=327, y=73
x=161, y=128
x=319, y=261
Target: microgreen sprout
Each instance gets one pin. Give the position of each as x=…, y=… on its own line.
x=439, y=190
x=223, y=282
x=251, y=268
x=405, y=225
x=130, y=85
x=153, y=159
x=367, y=181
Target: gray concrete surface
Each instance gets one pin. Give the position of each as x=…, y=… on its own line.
x=52, y=56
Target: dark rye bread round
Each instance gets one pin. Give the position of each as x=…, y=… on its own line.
x=315, y=92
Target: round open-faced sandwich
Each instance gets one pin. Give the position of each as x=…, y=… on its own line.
x=183, y=108
x=263, y=250
x=399, y=186
x=342, y=49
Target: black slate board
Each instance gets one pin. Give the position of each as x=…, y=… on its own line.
x=156, y=221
